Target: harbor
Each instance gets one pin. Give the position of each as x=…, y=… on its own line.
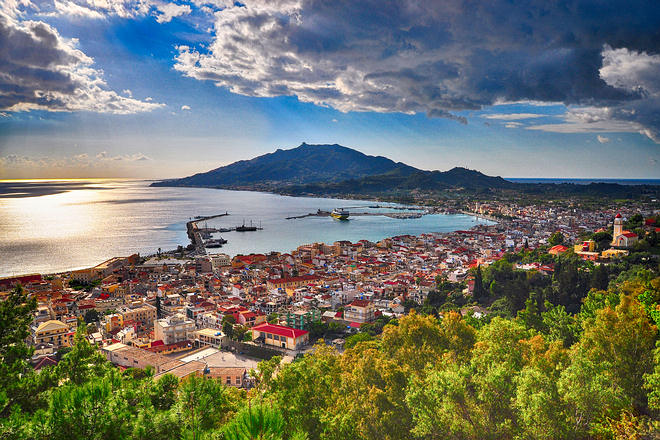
x=197, y=235
x=396, y=215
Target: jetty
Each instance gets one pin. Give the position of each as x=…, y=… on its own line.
x=195, y=234
x=396, y=215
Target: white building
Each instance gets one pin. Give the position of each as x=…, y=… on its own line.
x=173, y=329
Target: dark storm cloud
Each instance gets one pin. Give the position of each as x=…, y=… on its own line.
x=436, y=57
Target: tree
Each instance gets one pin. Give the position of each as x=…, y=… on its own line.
x=602, y=239
x=531, y=315
x=259, y=421
x=479, y=292
x=623, y=339
x=306, y=390
x=228, y=329
x=16, y=313
x=273, y=318
x=353, y=340
x=205, y=404
x=599, y=278
x=84, y=362
x=239, y=332
x=559, y=325
x=556, y=238
x=91, y=316
x=95, y=410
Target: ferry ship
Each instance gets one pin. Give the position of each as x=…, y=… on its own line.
x=340, y=214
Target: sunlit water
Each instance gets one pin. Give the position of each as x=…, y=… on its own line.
x=53, y=226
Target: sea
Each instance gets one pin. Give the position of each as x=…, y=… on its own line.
x=51, y=226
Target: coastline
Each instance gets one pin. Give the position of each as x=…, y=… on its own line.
x=143, y=229
x=170, y=254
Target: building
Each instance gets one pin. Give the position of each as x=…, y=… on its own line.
x=125, y=356
x=220, y=260
x=208, y=336
x=280, y=336
x=52, y=332
x=141, y=314
x=292, y=282
x=360, y=310
x=173, y=329
x=585, y=246
x=250, y=319
x=620, y=237
x=302, y=319
x=230, y=376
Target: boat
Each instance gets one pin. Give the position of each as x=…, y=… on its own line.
x=215, y=242
x=340, y=214
x=245, y=228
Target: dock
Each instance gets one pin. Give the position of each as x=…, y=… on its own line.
x=194, y=232
x=396, y=215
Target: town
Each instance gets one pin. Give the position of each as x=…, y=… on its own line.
x=218, y=316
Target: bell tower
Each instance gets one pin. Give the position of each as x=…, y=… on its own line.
x=618, y=228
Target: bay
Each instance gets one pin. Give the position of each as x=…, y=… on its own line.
x=54, y=226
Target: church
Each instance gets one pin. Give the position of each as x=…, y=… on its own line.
x=621, y=238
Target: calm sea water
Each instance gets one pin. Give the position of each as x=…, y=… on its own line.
x=53, y=226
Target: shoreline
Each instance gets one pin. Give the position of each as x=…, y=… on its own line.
x=428, y=209
x=168, y=253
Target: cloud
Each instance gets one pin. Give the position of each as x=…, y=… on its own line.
x=512, y=116
x=591, y=120
x=602, y=139
x=73, y=9
x=185, y=107
x=167, y=11
x=162, y=10
x=437, y=57
x=40, y=70
x=77, y=161
x=513, y=125
x=127, y=92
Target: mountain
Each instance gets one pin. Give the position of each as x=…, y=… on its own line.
x=301, y=165
x=336, y=170
x=456, y=178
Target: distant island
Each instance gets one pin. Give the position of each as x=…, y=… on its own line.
x=335, y=170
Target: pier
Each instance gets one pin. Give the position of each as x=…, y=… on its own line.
x=396, y=215
x=195, y=235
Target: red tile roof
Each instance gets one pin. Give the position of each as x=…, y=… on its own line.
x=280, y=330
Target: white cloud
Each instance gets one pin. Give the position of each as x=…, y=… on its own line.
x=127, y=92
x=167, y=11
x=513, y=125
x=77, y=161
x=512, y=116
x=630, y=70
x=185, y=107
x=73, y=9
x=602, y=139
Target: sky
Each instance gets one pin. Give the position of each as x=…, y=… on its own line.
x=162, y=88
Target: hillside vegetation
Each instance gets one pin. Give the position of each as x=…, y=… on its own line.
x=586, y=367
